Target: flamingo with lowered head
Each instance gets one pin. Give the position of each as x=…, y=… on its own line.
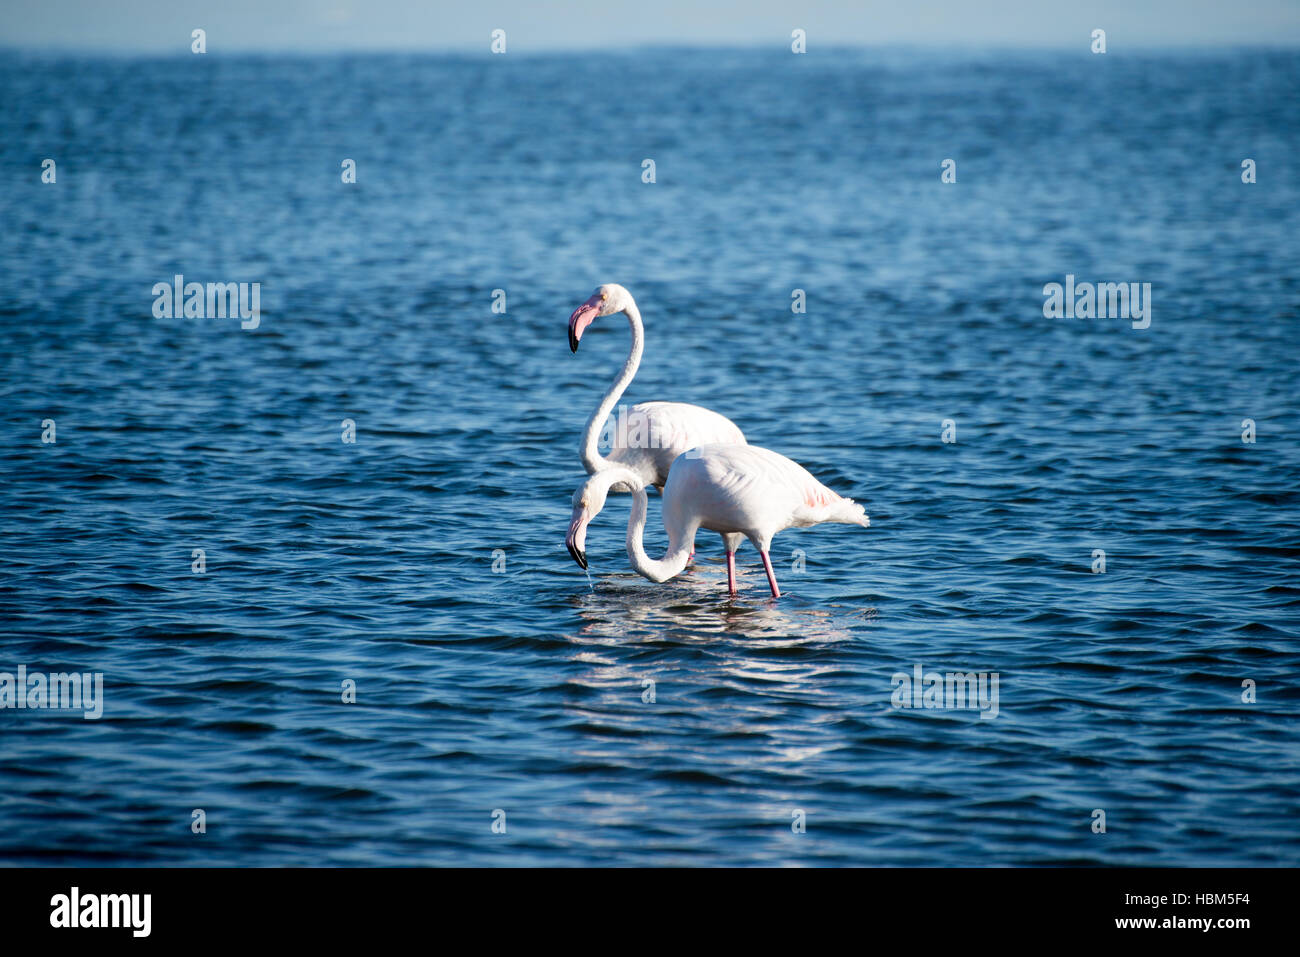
x=738, y=491
x=649, y=436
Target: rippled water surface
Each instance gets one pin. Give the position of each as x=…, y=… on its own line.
x=521, y=689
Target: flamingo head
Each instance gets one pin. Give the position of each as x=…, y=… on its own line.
x=605, y=301
x=588, y=500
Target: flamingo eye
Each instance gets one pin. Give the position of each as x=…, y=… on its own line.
x=604, y=296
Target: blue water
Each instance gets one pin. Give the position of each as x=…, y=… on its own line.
x=521, y=689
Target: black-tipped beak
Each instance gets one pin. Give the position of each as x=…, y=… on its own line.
x=581, y=318
x=578, y=556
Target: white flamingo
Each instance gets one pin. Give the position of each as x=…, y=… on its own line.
x=738, y=491
x=649, y=436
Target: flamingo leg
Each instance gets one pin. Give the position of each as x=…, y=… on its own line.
x=771, y=576
x=731, y=574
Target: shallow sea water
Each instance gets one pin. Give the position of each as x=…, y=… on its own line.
x=521, y=689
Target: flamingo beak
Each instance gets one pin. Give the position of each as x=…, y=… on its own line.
x=576, y=540
x=580, y=320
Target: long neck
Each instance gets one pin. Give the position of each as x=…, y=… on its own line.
x=592, y=460
x=679, y=544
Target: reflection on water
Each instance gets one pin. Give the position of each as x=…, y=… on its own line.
x=695, y=606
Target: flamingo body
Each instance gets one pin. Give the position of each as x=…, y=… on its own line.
x=649, y=437
x=750, y=491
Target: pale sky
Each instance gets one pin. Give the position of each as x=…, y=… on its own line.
x=159, y=26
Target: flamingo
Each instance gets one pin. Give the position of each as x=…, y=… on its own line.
x=738, y=491
x=659, y=431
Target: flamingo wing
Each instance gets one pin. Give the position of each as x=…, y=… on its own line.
x=649, y=436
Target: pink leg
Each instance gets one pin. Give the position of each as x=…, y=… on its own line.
x=771, y=576
x=731, y=574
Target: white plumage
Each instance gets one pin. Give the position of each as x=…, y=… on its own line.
x=738, y=491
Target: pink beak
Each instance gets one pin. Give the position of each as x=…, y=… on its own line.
x=576, y=540
x=581, y=319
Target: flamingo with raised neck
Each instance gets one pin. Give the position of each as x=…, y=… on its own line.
x=649, y=436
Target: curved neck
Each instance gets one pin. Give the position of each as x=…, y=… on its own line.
x=592, y=460
x=679, y=544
